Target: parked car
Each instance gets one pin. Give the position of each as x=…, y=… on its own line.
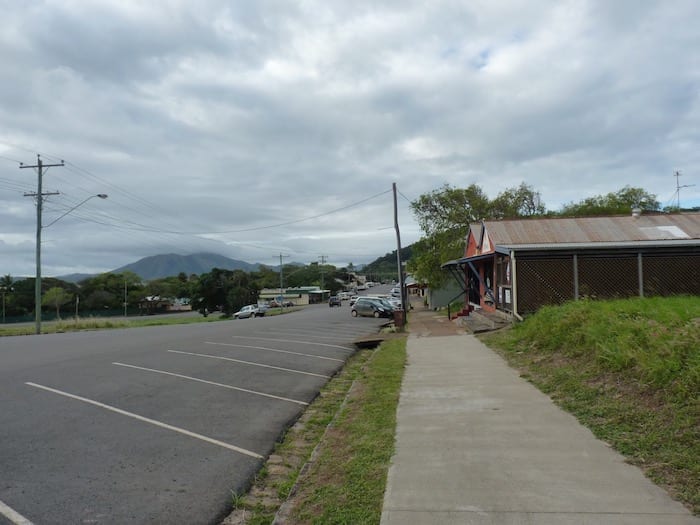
x=353, y=299
x=249, y=311
x=396, y=292
x=371, y=307
x=394, y=302
x=277, y=304
x=334, y=300
x=262, y=309
x=344, y=296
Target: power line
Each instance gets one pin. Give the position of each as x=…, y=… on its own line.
x=406, y=198
x=306, y=218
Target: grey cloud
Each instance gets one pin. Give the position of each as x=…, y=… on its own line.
x=219, y=116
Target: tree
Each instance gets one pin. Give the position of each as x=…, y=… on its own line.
x=6, y=289
x=449, y=208
x=102, y=300
x=522, y=201
x=6, y=281
x=225, y=290
x=444, y=216
x=56, y=297
x=620, y=202
x=106, y=290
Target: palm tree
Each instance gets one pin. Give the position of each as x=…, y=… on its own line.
x=6, y=281
x=5, y=286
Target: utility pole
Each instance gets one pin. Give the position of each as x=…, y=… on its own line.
x=323, y=259
x=281, y=280
x=398, y=255
x=40, y=166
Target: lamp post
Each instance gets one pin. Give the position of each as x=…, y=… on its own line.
x=37, y=288
x=100, y=195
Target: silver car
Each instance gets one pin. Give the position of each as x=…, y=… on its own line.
x=248, y=311
x=371, y=307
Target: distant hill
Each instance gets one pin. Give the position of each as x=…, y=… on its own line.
x=75, y=277
x=171, y=264
x=385, y=267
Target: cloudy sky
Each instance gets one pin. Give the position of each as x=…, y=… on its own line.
x=254, y=128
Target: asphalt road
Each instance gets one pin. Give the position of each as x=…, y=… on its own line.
x=156, y=424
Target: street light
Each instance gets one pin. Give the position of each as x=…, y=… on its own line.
x=37, y=284
x=100, y=195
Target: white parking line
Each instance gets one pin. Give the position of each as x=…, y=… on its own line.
x=334, y=337
x=250, y=363
x=289, y=341
x=279, y=398
x=275, y=350
x=15, y=517
x=151, y=421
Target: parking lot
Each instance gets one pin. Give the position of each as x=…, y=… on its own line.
x=159, y=424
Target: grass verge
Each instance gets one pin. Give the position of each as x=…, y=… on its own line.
x=627, y=369
x=332, y=465
x=109, y=323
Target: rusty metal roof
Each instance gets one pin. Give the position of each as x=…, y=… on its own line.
x=587, y=230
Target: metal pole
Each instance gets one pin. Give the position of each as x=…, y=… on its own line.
x=37, y=282
x=398, y=253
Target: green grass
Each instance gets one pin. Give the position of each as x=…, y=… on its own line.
x=345, y=438
x=630, y=371
x=110, y=323
x=346, y=483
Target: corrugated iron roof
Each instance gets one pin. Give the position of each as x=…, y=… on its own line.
x=587, y=230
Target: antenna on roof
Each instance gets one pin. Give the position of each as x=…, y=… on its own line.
x=677, y=174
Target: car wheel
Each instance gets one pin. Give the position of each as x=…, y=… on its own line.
x=354, y=313
x=376, y=314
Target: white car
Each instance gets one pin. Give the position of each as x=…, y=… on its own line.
x=249, y=311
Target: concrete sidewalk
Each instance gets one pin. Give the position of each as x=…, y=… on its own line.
x=477, y=444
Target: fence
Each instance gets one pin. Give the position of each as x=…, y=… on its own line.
x=553, y=279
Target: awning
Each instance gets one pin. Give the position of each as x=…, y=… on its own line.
x=466, y=260
x=455, y=266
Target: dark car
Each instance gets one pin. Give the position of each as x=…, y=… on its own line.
x=334, y=301
x=371, y=307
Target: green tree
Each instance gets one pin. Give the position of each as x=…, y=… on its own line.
x=266, y=277
x=620, y=202
x=444, y=216
x=56, y=297
x=6, y=281
x=106, y=290
x=6, y=289
x=225, y=290
x=102, y=300
x=522, y=201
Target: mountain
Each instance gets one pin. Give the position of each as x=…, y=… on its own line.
x=385, y=267
x=171, y=264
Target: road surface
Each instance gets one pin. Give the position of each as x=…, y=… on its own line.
x=156, y=424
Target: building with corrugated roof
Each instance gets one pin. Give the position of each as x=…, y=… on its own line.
x=517, y=266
